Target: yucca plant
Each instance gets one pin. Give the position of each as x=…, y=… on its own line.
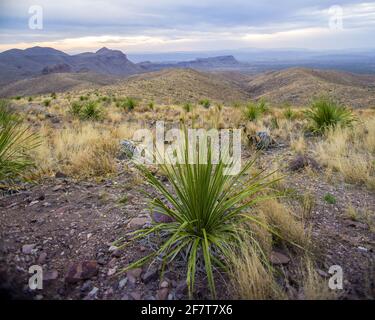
x=127, y=104
x=326, y=113
x=205, y=209
x=252, y=112
x=15, y=143
x=90, y=111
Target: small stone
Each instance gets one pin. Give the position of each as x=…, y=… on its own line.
x=137, y=223
x=135, y=295
x=86, y=286
x=89, y=235
x=93, y=292
x=81, y=271
x=42, y=258
x=125, y=297
x=111, y=271
x=33, y=202
x=150, y=275
x=362, y=249
x=164, y=284
x=134, y=274
x=162, y=294
x=122, y=283
x=50, y=275
x=112, y=248
x=278, y=258
x=28, y=248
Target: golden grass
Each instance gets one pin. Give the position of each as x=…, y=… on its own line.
x=250, y=278
x=79, y=150
x=281, y=219
x=351, y=151
x=313, y=285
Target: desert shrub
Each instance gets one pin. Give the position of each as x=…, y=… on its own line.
x=15, y=143
x=53, y=95
x=151, y=105
x=206, y=209
x=47, y=102
x=30, y=99
x=87, y=111
x=127, y=104
x=326, y=113
x=90, y=111
x=17, y=97
x=83, y=98
x=252, y=112
x=206, y=103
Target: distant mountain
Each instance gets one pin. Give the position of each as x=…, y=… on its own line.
x=209, y=64
x=16, y=64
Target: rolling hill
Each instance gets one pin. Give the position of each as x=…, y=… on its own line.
x=298, y=86
x=55, y=82
x=179, y=86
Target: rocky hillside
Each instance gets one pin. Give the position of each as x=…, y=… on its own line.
x=299, y=85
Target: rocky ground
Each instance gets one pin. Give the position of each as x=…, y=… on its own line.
x=68, y=228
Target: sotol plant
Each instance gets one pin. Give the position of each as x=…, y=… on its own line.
x=326, y=113
x=15, y=143
x=206, y=209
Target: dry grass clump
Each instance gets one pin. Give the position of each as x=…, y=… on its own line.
x=351, y=152
x=79, y=150
x=251, y=277
x=314, y=286
x=286, y=225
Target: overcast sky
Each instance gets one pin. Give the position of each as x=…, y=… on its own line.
x=195, y=25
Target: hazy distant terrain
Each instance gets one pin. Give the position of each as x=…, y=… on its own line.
x=225, y=79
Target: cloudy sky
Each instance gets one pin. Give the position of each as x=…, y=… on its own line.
x=180, y=25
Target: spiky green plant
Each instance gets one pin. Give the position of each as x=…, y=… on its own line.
x=15, y=143
x=252, y=112
x=326, y=113
x=90, y=111
x=127, y=104
x=206, y=209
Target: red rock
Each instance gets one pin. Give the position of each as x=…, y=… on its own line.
x=134, y=274
x=82, y=270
